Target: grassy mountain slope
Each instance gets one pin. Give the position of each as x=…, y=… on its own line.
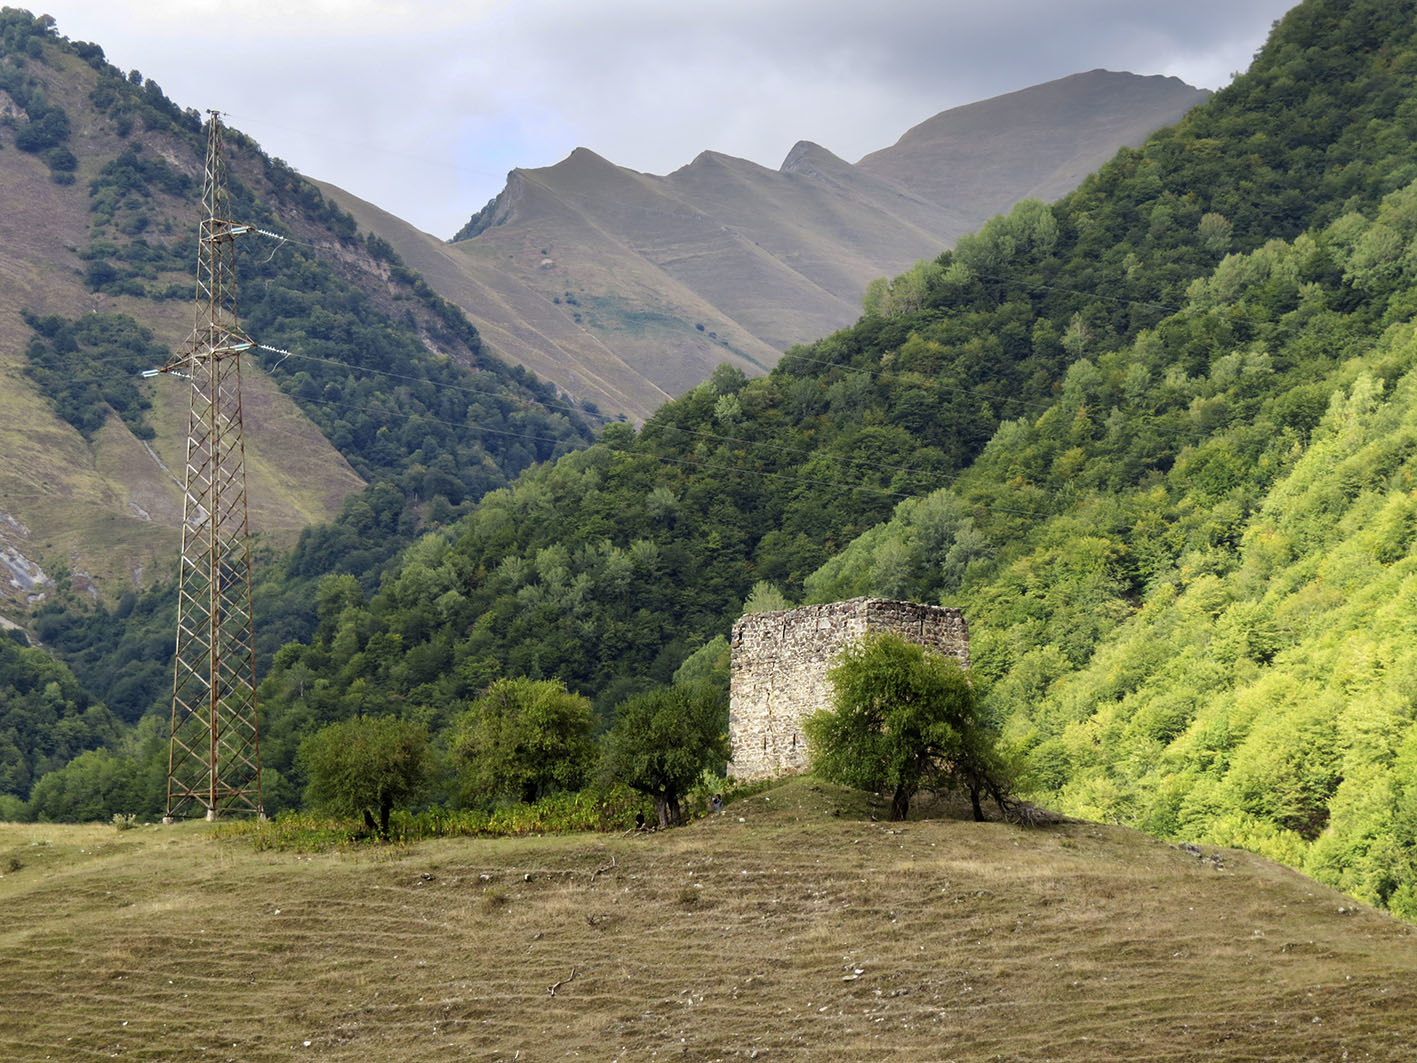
x=773, y=928
x=510, y=313
x=725, y=260
x=1042, y=141
x=108, y=507
x=385, y=381
x=620, y=560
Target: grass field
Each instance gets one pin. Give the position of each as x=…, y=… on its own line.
x=790, y=926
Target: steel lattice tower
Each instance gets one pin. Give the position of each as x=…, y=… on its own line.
x=214, y=749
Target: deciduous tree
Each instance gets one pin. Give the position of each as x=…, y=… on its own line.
x=903, y=718
x=366, y=764
x=523, y=739
x=663, y=739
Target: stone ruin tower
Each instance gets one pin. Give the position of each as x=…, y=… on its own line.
x=779, y=670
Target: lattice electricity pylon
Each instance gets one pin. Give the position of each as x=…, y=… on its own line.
x=214, y=749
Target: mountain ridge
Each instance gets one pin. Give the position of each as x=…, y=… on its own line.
x=751, y=260
x=1155, y=439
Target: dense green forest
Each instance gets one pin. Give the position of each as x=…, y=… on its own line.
x=1156, y=439
x=609, y=566
x=46, y=719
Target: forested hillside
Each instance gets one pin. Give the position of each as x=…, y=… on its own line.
x=1156, y=439
x=46, y=719
x=386, y=417
x=740, y=481
x=1208, y=637
x=1142, y=436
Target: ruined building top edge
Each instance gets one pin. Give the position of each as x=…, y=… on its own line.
x=866, y=607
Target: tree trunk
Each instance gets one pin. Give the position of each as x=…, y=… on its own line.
x=666, y=806
x=900, y=804
x=369, y=823
x=974, y=800
x=384, y=809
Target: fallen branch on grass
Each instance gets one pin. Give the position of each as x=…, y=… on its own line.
x=608, y=867
x=552, y=988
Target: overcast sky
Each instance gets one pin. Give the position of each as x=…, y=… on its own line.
x=423, y=107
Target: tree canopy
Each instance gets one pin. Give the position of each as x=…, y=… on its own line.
x=46, y=718
x=523, y=739
x=903, y=719
x=366, y=765
x=664, y=739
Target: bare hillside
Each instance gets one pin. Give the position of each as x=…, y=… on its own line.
x=1038, y=143
x=108, y=508
x=627, y=288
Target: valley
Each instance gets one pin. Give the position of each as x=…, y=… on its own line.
x=1153, y=437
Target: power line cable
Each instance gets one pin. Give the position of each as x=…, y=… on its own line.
x=393, y=415
x=365, y=146
x=527, y=403
x=882, y=371
x=843, y=485
x=533, y=403
x=1037, y=285
x=698, y=434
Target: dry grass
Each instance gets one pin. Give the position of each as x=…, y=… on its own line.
x=774, y=930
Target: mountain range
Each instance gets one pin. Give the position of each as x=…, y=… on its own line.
x=627, y=289
x=1156, y=439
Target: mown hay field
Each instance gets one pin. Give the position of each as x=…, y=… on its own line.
x=790, y=926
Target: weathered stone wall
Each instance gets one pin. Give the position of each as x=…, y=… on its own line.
x=779, y=670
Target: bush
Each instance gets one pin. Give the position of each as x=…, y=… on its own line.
x=12, y=809
x=591, y=810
